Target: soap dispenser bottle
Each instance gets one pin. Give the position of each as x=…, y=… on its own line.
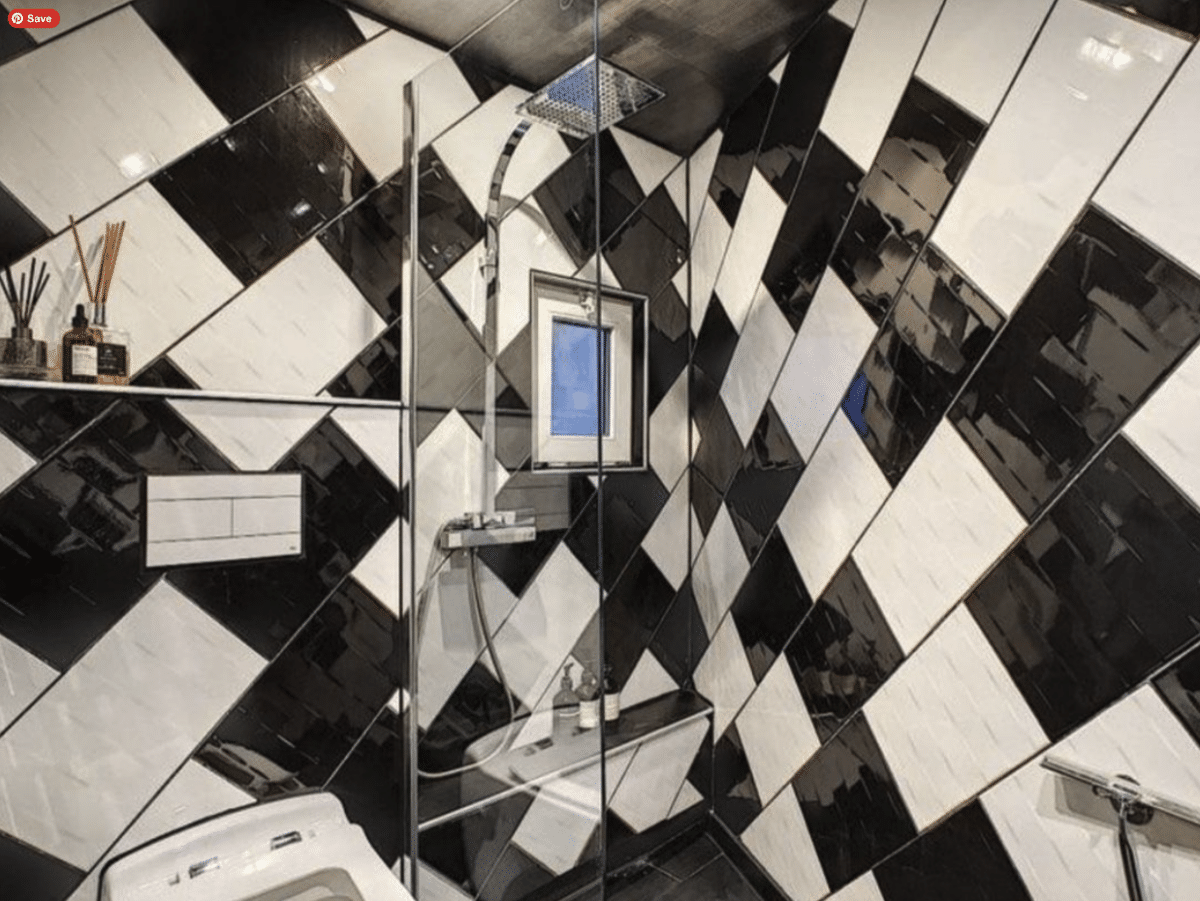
x=589, y=700
x=566, y=705
x=612, y=696
x=79, y=351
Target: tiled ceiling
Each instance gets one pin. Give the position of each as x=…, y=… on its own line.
x=706, y=55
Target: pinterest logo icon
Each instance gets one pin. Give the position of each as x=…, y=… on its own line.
x=33, y=18
x=17, y=18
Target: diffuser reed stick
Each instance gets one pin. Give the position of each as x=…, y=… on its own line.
x=23, y=297
x=82, y=261
x=114, y=233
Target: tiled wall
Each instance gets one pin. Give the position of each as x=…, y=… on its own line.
x=946, y=295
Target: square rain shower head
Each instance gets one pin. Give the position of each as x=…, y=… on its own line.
x=569, y=105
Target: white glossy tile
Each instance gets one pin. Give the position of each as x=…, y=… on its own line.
x=1089, y=79
x=472, y=147
x=687, y=798
x=545, y=624
x=669, y=433
x=950, y=720
x=194, y=793
x=527, y=242
x=648, y=680
x=776, y=74
x=166, y=280
x=1170, y=440
x=464, y=283
x=701, y=165
x=677, y=188
x=1155, y=185
x=291, y=332
x=864, y=888
x=881, y=58
x=379, y=570
x=781, y=844
x=719, y=570
x=776, y=730
x=368, y=27
x=838, y=494
x=847, y=11
x=708, y=251
x=68, y=89
x=443, y=97
x=22, y=678
x=755, y=363
x=377, y=434
x=14, y=462
x=754, y=234
x=827, y=352
x=436, y=887
x=976, y=49
x=723, y=675
x=943, y=526
x=77, y=768
x=72, y=14
x=363, y=94
x=649, y=162
x=1063, y=840
x=667, y=540
x=654, y=777
x=252, y=436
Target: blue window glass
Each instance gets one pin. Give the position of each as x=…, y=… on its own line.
x=576, y=403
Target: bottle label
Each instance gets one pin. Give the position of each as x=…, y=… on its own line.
x=589, y=714
x=112, y=359
x=83, y=360
x=612, y=706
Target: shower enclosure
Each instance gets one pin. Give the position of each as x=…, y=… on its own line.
x=531, y=378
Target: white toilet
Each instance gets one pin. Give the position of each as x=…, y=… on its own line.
x=297, y=849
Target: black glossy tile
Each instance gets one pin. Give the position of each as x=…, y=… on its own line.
x=735, y=796
x=814, y=219
x=843, y=651
x=680, y=640
x=719, y=881
x=304, y=713
x=713, y=349
x=650, y=247
x=375, y=373
x=1180, y=688
x=927, y=147
x=770, y=468
x=476, y=708
x=631, y=501
x=633, y=611
x=515, y=876
x=243, y=52
x=13, y=42
x=368, y=243
x=451, y=359
x=706, y=502
x=447, y=224
x=1101, y=327
x=163, y=373
x=769, y=605
x=1182, y=15
x=568, y=198
x=369, y=785
x=1099, y=594
x=40, y=421
x=20, y=231
x=265, y=185
x=808, y=79
x=852, y=805
x=30, y=875
x=739, y=146
x=670, y=344
x=961, y=858
x=939, y=329
x=515, y=365
x=348, y=506
x=691, y=859
x=719, y=453
x=71, y=531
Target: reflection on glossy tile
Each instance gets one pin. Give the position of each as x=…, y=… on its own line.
x=810, y=228
x=448, y=225
x=244, y=53
x=927, y=146
x=769, y=471
x=851, y=804
x=739, y=145
x=736, y=800
x=368, y=782
x=1081, y=92
x=928, y=719
x=719, y=453
x=842, y=652
x=1105, y=321
x=769, y=605
x=287, y=165
x=631, y=501
x=681, y=639
x=1180, y=16
x=647, y=251
x=65, y=90
x=375, y=372
x=807, y=81
x=955, y=860
x=20, y=232
x=22, y=678
x=938, y=330
x=1098, y=594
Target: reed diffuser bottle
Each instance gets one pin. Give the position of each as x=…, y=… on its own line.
x=112, y=344
x=21, y=355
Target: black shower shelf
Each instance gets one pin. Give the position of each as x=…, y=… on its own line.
x=523, y=768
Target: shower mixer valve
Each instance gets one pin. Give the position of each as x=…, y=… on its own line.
x=483, y=530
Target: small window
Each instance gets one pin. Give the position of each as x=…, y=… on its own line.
x=589, y=376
